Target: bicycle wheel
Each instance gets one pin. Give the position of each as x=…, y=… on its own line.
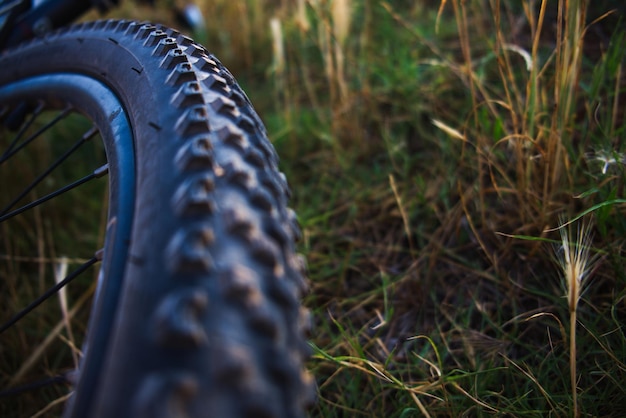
x=197, y=308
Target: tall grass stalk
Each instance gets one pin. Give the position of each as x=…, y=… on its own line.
x=532, y=104
x=535, y=109
x=570, y=32
x=575, y=263
x=60, y=272
x=341, y=16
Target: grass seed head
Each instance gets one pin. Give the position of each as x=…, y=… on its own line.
x=607, y=158
x=575, y=261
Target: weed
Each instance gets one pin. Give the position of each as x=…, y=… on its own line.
x=576, y=263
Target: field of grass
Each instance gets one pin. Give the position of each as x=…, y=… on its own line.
x=434, y=150
x=458, y=171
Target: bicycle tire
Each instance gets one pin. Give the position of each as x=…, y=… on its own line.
x=206, y=321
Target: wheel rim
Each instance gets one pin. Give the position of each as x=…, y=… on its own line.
x=68, y=94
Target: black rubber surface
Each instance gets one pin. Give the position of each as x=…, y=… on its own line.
x=209, y=322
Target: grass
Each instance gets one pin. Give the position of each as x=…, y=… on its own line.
x=434, y=150
x=576, y=264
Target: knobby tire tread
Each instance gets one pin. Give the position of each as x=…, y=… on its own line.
x=209, y=323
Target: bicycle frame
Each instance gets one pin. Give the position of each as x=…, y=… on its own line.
x=21, y=20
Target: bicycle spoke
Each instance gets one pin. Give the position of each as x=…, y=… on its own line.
x=64, y=378
x=23, y=129
x=88, y=135
x=10, y=152
x=48, y=293
x=97, y=173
